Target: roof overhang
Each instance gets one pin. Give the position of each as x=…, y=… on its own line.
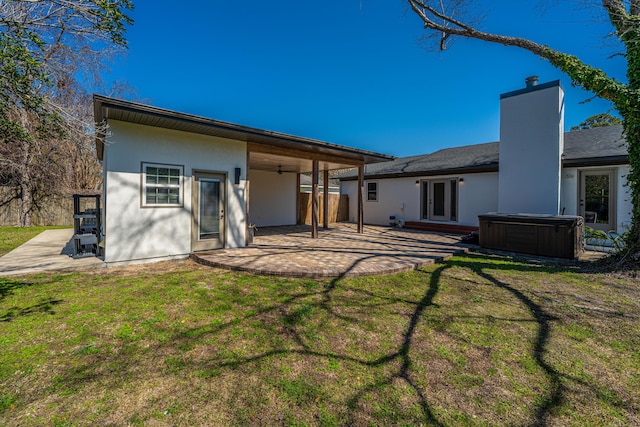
x=493, y=167
x=595, y=161
x=259, y=140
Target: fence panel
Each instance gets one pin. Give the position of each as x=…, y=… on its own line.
x=338, y=208
x=55, y=211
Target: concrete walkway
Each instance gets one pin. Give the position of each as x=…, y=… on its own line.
x=49, y=250
x=338, y=252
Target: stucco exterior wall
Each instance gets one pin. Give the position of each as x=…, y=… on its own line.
x=531, y=143
x=571, y=187
x=624, y=206
x=133, y=232
x=273, y=199
x=400, y=197
x=350, y=188
x=478, y=195
x=569, y=193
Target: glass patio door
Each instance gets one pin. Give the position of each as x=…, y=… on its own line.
x=439, y=200
x=208, y=215
x=597, y=199
x=426, y=202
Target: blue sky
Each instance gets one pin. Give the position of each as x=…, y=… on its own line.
x=353, y=72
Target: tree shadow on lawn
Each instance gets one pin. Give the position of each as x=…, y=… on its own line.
x=7, y=286
x=44, y=306
x=403, y=353
x=399, y=364
x=542, y=318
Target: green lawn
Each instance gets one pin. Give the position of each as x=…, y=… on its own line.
x=473, y=341
x=12, y=237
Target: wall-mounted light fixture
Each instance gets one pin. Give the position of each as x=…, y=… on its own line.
x=461, y=180
x=279, y=170
x=417, y=182
x=238, y=172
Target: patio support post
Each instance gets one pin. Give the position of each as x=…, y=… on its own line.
x=314, y=200
x=247, y=185
x=325, y=199
x=360, y=198
x=299, y=219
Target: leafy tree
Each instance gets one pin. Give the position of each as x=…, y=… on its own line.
x=445, y=20
x=50, y=52
x=599, y=120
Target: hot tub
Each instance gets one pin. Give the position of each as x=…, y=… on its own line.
x=543, y=235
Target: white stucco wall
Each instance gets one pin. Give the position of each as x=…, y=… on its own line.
x=531, y=143
x=571, y=186
x=624, y=206
x=350, y=188
x=478, y=195
x=401, y=197
x=133, y=232
x=569, y=193
x=273, y=198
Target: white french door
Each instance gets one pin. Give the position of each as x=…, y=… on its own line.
x=440, y=200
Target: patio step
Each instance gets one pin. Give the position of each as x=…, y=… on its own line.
x=439, y=227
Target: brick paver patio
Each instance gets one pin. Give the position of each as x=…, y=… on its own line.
x=338, y=252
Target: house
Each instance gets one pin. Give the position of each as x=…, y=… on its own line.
x=536, y=168
x=306, y=184
x=175, y=183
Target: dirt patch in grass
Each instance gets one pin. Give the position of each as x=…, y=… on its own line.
x=475, y=341
x=152, y=268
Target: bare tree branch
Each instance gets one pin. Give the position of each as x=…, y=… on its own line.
x=624, y=16
x=598, y=82
x=49, y=49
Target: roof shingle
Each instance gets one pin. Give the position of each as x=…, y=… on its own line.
x=579, y=148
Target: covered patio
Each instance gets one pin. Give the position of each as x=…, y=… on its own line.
x=290, y=251
x=275, y=164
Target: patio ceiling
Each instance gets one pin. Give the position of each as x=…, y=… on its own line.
x=272, y=163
